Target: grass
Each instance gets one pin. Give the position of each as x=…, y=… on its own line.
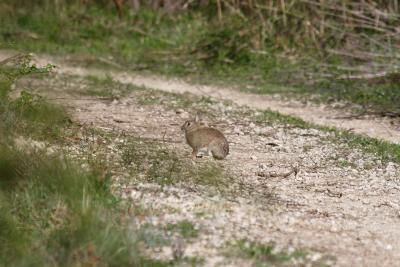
x=345, y=163
x=192, y=44
x=185, y=228
x=105, y=87
x=266, y=255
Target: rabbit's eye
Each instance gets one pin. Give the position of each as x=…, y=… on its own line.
x=188, y=123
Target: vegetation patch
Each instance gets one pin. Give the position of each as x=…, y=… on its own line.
x=105, y=87
x=338, y=51
x=185, y=228
x=382, y=149
x=28, y=114
x=266, y=255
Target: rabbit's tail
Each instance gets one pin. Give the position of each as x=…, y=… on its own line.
x=220, y=150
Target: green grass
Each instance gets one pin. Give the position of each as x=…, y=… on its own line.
x=265, y=255
x=105, y=87
x=190, y=44
x=345, y=163
x=185, y=228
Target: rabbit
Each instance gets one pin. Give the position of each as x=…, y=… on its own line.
x=199, y=135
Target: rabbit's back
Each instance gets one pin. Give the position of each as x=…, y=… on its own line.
x=210, y=138
x=204, y=136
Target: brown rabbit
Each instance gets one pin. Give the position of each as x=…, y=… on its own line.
x=198, y=136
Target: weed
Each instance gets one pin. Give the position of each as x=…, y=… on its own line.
x=265, y=255
x=345, y=163
x=149, y=97
x=185, y=228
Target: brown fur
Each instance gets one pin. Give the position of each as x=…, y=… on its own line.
x=199, y=136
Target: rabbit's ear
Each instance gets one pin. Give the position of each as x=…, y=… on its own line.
x=197, y=117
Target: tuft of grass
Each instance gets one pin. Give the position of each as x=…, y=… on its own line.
x=105, y=87
x=185, y=228
x=269, y=116
x=345, y=163
x=265, y=255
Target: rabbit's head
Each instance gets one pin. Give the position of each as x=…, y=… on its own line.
x=193, y=124
x=190, y=125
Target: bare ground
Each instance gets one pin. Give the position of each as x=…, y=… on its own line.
x=342, y=206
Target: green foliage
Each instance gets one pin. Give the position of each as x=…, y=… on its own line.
x=379, y=97
x=29, y=114
x=270, y=116
x=34, y=108
x=21, y=67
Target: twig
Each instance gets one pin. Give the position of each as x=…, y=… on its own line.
x=294, y=170
x=111, y=63
x=367, y=76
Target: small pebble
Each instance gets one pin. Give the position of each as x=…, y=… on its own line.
x=263, y=166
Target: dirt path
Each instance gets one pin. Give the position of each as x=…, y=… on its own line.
x=378, y=127
x=342, y=204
